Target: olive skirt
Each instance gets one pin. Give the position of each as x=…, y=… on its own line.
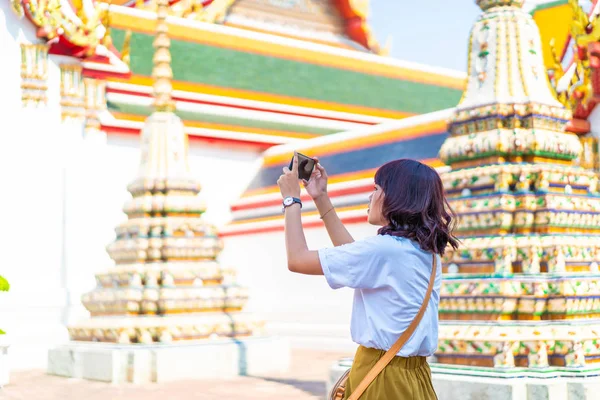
x=402, y=379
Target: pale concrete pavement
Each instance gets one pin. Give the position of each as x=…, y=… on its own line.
x=304, y=381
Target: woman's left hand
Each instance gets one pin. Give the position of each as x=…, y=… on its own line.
x=289, y=184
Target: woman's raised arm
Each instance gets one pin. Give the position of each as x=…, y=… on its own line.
x=317, y=189
x=300, y=258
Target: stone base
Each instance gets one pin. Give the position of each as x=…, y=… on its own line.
x=452, y=382
x=465, y=383
x=169, y=362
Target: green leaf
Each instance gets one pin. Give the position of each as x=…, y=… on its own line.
x=4, y=285
x=2, y=332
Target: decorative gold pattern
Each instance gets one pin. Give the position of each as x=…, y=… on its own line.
x=17, y=8
x=555, y=74
x=579, y=88
x=510, y=345
x=215, y=12
x=126, y=51
x=481, y=63
x=487, y=4
x=496, y=67
x=34, y=74
x=590, y=157
x=520, y=60
x=582, y=29
x=508, y=54
x=80, y=27
x=71, y=92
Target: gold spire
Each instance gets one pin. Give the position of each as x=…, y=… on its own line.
x=162, y=72
x=126, y=52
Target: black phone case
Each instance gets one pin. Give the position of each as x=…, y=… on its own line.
x=302, y=172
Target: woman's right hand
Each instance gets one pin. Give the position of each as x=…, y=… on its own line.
x=316, y=187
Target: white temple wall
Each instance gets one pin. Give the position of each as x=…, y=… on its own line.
x=303, y=308
x=67, y=199
x=62, y=198
x=32, y=157
x=63, y=194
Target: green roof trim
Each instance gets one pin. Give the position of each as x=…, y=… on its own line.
x=218, y=119
x=222, y=67
x=550, y=4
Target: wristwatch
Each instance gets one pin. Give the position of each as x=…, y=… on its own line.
x=288, y=201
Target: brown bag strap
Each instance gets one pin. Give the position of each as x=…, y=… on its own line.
x=391, y=353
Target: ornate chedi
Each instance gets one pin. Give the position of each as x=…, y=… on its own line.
x=522, y=290
x=166, y=284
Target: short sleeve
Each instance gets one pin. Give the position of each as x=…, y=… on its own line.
x=355, y=265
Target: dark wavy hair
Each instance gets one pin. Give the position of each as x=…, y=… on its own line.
x=415, y=205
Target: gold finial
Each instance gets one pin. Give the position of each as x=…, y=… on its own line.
x=580, y=19
x=107, y=39
x=387, y=47
x=215, y=12
x=17, y=8
x=125, y=53
x=557, y=72
x=487, y=4
x=584, y=29
x=162, y=72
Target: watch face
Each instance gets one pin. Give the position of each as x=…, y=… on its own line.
x=288, y=201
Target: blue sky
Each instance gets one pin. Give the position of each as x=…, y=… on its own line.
x=433, y=32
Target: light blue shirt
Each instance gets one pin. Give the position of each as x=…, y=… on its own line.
x=390, y=276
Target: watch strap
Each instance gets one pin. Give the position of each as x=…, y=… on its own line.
x=294, y=201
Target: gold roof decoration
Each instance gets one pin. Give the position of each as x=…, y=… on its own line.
x=215, y=12
x=573, y=86
x=83, y=27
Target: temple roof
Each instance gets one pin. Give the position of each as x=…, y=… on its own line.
x=239, y=85
x=244, y=87
x=335, y=22
x=340, y=23
x=351, y=159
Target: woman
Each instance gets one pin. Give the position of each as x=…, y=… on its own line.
x=390, y=271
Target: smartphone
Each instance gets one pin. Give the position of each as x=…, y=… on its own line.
x=305, y=166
